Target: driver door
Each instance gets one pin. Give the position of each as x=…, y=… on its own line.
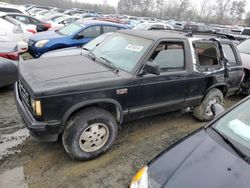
x=170, y=88
x=87, y=35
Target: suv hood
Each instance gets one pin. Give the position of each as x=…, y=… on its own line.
x=199, y=161
x=61, y=74
x=46, y=35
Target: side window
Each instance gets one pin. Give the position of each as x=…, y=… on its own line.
x=34, y=21
x=229, y=53
x=206, y=53
x=160, y=27
x=92, y=32
x=169, y=56
x=107, y=29
x=23, y=19
x=152, y=27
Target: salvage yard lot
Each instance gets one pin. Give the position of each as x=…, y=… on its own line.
x=47, y=165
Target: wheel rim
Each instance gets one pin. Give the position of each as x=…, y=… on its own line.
x=210, y=103
x=94, y=137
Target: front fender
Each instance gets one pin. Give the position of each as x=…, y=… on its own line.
x=83, y=104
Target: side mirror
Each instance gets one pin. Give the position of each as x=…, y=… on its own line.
x=152, y=68
x=217, y=109
x=79, y=36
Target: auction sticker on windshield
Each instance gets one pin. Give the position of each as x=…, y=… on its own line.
x=133, y=47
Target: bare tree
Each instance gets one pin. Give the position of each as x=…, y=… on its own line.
x=247, y=20
x=237, y=10
x=222, y=8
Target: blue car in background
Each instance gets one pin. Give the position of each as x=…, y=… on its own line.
x=74, y=34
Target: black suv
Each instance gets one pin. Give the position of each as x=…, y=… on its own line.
x=130, y=75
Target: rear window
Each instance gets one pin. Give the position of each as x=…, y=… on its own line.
x=246, y=32
x=206, y=53
x=107, y=29
x=229, y=53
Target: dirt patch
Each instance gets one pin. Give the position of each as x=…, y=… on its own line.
x=47, y=164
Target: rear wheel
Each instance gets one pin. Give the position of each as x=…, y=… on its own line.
x=89, y=133
x=203, y=112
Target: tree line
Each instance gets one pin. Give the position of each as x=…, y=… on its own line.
x=206, y=11
x=68, y=4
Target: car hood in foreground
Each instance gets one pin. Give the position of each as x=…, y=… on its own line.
x=198, y=162
x=64, y=74
x=71, y=51
x=46, y=35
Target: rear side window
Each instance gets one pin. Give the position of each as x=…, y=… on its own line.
x=23, y=19
x=160, y=27
x=229, y=53
x=169, y=56
x=206, y=54
x=107, y=29
x=92, y=32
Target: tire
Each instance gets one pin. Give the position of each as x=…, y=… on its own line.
x=203, y=111
x=89, y=133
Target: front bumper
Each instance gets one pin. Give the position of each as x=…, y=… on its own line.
x=44, y=131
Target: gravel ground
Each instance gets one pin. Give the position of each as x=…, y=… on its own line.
x=27, y=163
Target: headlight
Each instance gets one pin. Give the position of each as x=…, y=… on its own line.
x=36, y=106
x=140, y=180
x=41, y=43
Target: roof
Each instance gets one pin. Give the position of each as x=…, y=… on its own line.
x=172, y=34
x=155, y=35
x=96, y=22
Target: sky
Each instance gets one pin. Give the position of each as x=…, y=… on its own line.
x=111, y=2
x=115, y=2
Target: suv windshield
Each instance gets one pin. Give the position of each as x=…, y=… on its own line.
x=123, y=51
x=71, y=29
x=235, y=126
x=95, y=42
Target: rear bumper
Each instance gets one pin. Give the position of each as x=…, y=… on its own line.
x=44, y=131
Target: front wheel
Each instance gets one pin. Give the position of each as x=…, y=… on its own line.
x=89, y=133
x=203, y=112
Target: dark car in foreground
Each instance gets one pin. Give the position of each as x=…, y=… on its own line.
x=129, y=75
x=215, y=156
x=75, y=34
x=8, y=72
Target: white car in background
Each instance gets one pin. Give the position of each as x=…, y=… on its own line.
x=21, y=46
x=35, y=11
x=15, y=29
x=42, y=14
x=153, y=26
x=62, y=21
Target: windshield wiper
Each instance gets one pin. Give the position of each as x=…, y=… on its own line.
x=110, y=64
x=92, y=56
x=85, y=49
x=235, y=148
x=57, y=31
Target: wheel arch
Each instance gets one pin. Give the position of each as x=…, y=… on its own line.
x=222, y=87
x=110, y=105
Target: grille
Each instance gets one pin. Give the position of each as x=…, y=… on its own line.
x=25, y=97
